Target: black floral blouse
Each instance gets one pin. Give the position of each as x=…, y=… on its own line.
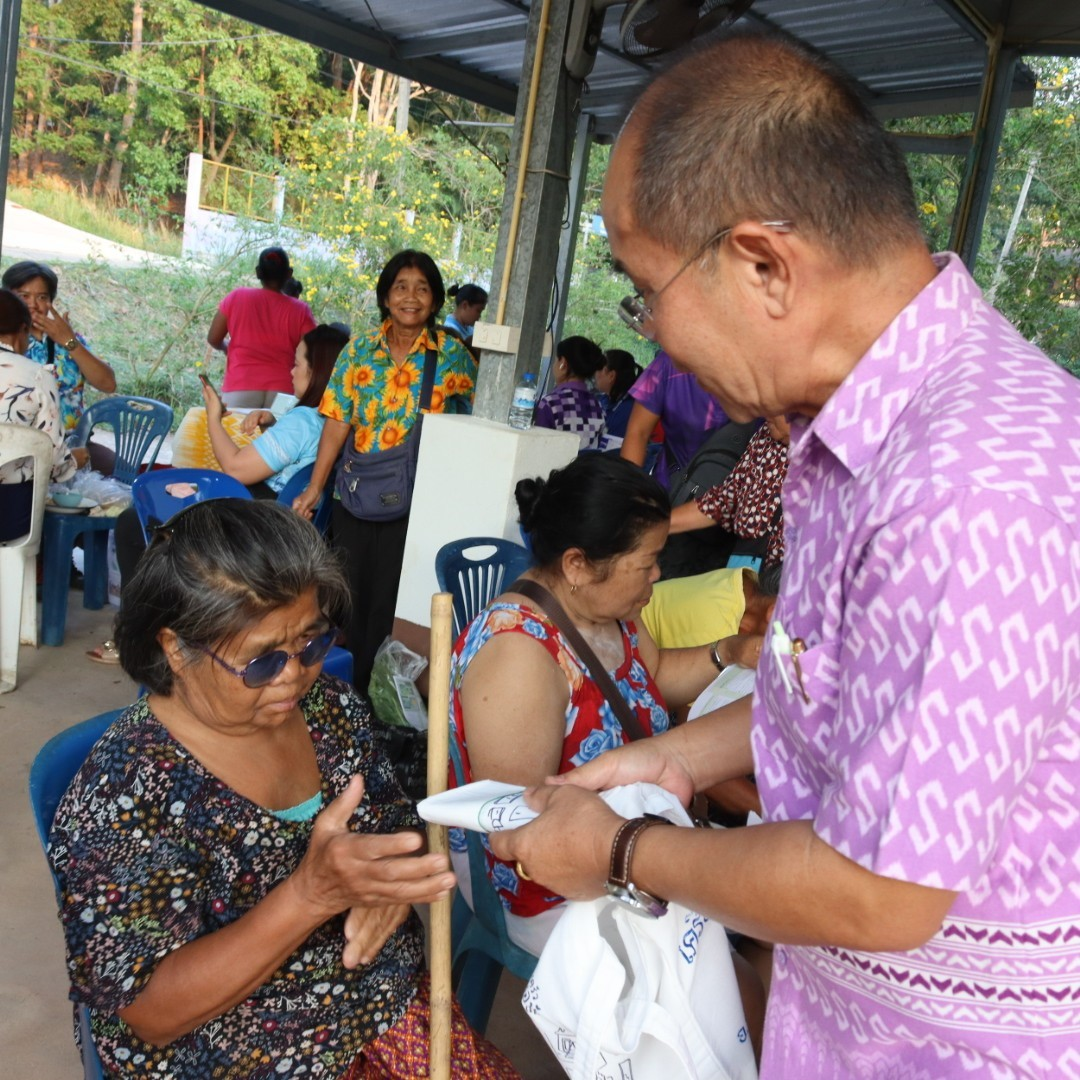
x=152, y=851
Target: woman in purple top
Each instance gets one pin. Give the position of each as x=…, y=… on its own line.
x=671, y=396
x=572, y=406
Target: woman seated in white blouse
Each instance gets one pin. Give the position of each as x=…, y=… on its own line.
x=28, y=396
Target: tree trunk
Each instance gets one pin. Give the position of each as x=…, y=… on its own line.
x=99, y=172
x=337, y=69
x=202, y=96
x=24, y=163
x=112, y=186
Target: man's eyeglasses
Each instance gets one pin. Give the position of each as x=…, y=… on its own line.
x=266, y=668
x=636, y=313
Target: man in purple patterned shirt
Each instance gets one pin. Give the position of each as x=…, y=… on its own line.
x=915, y=728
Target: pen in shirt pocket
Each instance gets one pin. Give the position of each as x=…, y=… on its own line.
x=787, y=651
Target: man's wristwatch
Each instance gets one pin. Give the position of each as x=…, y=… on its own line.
x=618, y=885
x=72, y=344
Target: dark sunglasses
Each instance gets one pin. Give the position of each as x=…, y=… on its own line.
x=266, y=668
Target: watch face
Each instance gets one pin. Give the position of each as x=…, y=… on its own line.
x=636, y=899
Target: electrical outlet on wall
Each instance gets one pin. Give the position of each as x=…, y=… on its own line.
x=495, y=337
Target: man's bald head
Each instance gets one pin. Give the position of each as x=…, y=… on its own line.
x=758, y=127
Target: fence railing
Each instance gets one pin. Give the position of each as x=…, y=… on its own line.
x=232, y=190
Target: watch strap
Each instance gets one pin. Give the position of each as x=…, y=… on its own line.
x=622, y=847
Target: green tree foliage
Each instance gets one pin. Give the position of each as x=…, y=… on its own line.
x=595, y=287
x=1035, y=283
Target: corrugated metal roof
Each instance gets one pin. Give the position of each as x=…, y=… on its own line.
x=913, y=56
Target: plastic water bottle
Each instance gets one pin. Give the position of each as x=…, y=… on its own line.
x=523, y=403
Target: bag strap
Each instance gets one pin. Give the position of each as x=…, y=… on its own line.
x=427, y=387
x=554, y=610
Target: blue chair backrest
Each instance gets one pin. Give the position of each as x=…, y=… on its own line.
x=53, y=769
x=300, y=480
x=56, y=764
x=486, y=904
x=475, y=570
x=139, y=425
x=154, y=505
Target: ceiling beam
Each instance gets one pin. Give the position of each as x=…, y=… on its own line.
x=306, y=22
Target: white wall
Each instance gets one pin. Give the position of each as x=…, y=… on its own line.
x=465, y=487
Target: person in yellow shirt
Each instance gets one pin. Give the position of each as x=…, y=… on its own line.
x=696, y=610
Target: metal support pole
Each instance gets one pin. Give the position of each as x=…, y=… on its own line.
x=579, y=172
x=979, y=174
x=10, y=12
x=534, y=255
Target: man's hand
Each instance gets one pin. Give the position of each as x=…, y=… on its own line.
x=651, y=761
x=568, y=847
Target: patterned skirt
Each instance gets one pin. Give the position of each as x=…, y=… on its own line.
x=403, y=1052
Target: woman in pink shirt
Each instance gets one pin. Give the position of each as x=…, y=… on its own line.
x=258, y=330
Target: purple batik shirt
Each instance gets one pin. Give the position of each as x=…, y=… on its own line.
x=932, y=514
x=687, y=412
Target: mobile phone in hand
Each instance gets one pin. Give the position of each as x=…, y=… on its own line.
x=210, y=386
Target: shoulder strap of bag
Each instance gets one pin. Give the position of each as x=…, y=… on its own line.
x=427, y=387
x=554, y=610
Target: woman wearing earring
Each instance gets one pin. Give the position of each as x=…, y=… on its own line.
x=572, y=406
x=525, y=702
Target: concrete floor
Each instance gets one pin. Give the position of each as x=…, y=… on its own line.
x=58, y=687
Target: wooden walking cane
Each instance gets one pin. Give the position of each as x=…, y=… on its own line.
x=438, y=749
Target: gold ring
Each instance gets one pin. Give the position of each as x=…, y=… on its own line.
x=521, y=871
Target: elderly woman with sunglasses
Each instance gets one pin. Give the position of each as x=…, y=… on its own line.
x=237, y=863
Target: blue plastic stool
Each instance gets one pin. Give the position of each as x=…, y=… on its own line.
x=61, y=531
x=154, y=505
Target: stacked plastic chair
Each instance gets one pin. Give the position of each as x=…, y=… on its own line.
x=18, y=557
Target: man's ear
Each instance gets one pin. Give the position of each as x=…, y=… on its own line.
x=768, y=262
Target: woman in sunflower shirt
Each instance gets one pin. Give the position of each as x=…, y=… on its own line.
x=374, y=398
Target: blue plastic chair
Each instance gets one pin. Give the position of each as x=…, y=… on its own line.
x=139, y=426
x=300, y=480
x=475, y=570
x=154, y=505
x=53, y=769
x=482, y=947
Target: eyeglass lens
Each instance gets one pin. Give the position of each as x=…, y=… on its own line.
x=265, y=669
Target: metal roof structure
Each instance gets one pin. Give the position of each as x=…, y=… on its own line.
x=913, y=56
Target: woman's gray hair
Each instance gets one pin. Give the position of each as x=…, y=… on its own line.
x=212, y=571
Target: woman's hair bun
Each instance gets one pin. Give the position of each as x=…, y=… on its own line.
x=528, y=493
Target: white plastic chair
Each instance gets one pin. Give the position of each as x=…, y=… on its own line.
x=18, y=558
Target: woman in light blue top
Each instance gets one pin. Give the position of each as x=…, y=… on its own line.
x=469, y=303
x=289, y=444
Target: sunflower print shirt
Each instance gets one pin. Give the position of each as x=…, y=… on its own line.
x=381, y=399
x=151, y=851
